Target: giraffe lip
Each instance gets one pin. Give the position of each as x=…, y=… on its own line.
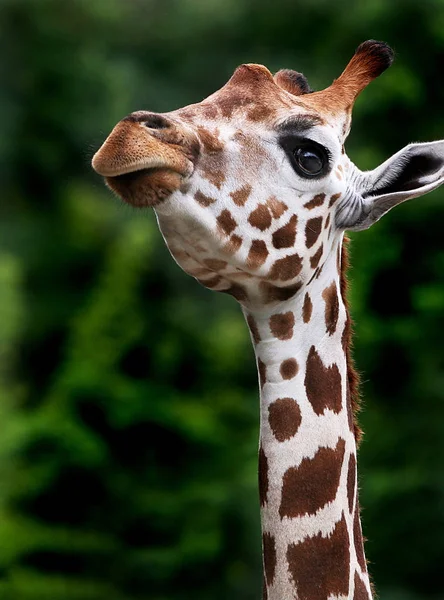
x=129, y=177
x=144, y=187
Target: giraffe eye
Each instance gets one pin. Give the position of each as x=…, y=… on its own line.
x=310, y=160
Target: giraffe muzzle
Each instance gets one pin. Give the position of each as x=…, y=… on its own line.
x=146, y=157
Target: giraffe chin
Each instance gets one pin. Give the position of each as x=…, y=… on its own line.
x=146, y=187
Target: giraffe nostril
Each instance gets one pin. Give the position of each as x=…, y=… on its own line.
x=156, y=122
x=150, y=120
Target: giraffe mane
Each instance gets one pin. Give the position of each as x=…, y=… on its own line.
x=353, y=377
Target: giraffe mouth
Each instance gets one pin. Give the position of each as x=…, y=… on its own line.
x=144, y=187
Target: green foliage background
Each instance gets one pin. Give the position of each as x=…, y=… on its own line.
x=128, y=401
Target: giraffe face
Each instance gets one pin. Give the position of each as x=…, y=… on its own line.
x=256, y=217
x=251, y=187
x=261, y=179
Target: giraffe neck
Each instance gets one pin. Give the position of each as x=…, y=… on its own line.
x=312, y=541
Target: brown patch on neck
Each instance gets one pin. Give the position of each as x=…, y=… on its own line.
x=313, y=484
x=359, y=541
x=330, y=296
x=262, y=369
x=269, y=550
x=237, y=291
x=360, y=592
x=320, y=566
x=352, y=374
x=351, y=482
x=323, y=384
x=307, y=308
x=289, y=368
x=253, y=329
x=274, y=293
x=284, y=417
x=281, y=325
x=263, y=477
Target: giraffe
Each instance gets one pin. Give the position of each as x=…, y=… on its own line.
x=253, y=193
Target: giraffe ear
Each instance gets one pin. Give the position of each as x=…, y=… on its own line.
x=293, y=82
x=413, y=171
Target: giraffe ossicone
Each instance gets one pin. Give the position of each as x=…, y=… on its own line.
x=253, y=192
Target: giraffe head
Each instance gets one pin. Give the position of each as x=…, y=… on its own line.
x=252, y=187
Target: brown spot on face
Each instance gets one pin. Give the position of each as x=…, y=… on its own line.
x=257, y=254
x=212, y=282
x=330, y=296
x=262, y=369
x=327, y=221
x=214, y=176
x=210, y=141
x=233, y=245
x=260, y=217
x=317, y=200
x=320, y=566
x=241, y=195
x=286, y=268
x=323, y=384
x=203, y=199
x=307, y=308
x=281, y=325
x=274, y=293
x=338, y=175
x=314, y=260
x=226, y=222
x=312, y=231
x=285, y=236
x=237, y=291
x=351, y=482
x=333, y=199
x=359, y=542
x=263, y=477
x=360, y=589
x=260, y=112
x=312, y=485
x=289, y=368
x=214, y=264
x=284, y=416
x=209, y=111
x=254, y=329
x=276, y=206
x=269, y=549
